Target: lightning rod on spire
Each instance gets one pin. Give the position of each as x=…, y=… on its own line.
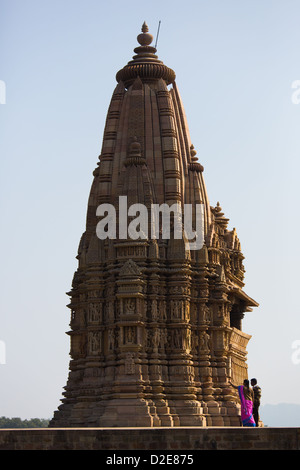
x=157, y=34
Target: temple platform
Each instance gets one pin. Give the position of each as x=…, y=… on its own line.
x=151, y=439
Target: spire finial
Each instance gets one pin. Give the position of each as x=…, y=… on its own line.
x=145, y=63
x=145, y=28
x=145, y=38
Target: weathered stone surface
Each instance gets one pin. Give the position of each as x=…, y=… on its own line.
x=151, y=439
x=156, y=327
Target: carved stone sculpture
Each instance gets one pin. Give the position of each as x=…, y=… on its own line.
x=156, y=326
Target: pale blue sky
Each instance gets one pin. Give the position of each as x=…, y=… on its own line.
x=235, y=63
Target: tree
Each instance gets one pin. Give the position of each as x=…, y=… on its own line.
x=19, y=423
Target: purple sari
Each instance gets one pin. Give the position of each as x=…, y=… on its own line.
x=246, y=409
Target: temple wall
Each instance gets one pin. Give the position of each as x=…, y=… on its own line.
x=151, y=439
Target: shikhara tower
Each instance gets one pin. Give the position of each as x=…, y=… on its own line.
x=156, y=329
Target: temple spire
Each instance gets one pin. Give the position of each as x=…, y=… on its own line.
x=155, y=330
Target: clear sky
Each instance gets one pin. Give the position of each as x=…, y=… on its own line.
x=235, y=63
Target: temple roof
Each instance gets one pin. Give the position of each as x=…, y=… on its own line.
x=145, y=63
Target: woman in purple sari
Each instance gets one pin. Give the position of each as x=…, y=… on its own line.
x=246, y=398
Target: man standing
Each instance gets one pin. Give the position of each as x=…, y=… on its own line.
x=256, y=401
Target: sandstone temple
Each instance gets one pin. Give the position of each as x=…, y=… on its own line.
x=156, y=327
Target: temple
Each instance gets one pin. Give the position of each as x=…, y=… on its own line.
x=156, y=324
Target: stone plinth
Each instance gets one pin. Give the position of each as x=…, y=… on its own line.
x=151, y=439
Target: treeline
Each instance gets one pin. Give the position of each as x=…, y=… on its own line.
x=20, y=423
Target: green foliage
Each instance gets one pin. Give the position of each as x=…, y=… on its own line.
x=26, y=423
